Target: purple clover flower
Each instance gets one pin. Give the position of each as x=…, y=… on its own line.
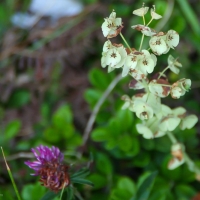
x=49, y=166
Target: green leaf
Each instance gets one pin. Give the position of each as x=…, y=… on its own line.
x=33, y=191
x=19, y=98
x=52, y=135
x=98, y=79
x=103, y=160
x=125, y=118
x=125, y=143
x=127, y=185
x=92, y=96
x=49, y=195
x=70, y=193
x=185, y=192
x=100, y=134
x=81, y=181
x=62, y=117
x=12, y=129
x=99, y=180
x=81, y=173
x=145, y=187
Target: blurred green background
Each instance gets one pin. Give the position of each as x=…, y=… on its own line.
x=50, y=80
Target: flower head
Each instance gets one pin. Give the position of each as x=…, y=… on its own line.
x=49, y=166
x=112, y=26
x=113, y=56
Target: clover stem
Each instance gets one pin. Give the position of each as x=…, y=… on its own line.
x=163, y=72
x=141, y=42
x=125, y=42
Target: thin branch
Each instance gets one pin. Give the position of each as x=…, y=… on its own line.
x=95, y=111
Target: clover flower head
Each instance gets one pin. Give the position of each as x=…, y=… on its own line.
x=112, y=26
x=49, y=166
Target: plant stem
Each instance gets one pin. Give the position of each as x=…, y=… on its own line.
x=163, y=72
x=141, y=42
x=172, y=138
x=150, y=22
x=11, y=177
x=143, y=20
x=97, y=107
x=191, y=165
x=125, y=42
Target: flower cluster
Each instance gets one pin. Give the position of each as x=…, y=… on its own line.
x=156, y=118
x=50, y=167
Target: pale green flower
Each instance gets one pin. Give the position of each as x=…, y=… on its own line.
x=173, y=64
x=172, y=38
x=131, y=62
x=111, y=26
x=188, y=122
x=144, y=29
x=146, y=62
x=158, y=44
x=180, y=87
x=169, y=123
x=155, y=15
x=141, y=11
x=158, y=88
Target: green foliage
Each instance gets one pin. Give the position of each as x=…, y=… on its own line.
x=19, y=98
x=124, y=189
x=62, y=129
x=12, y=129
x=145, y=186
x=34, y=191
x=118, y=135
